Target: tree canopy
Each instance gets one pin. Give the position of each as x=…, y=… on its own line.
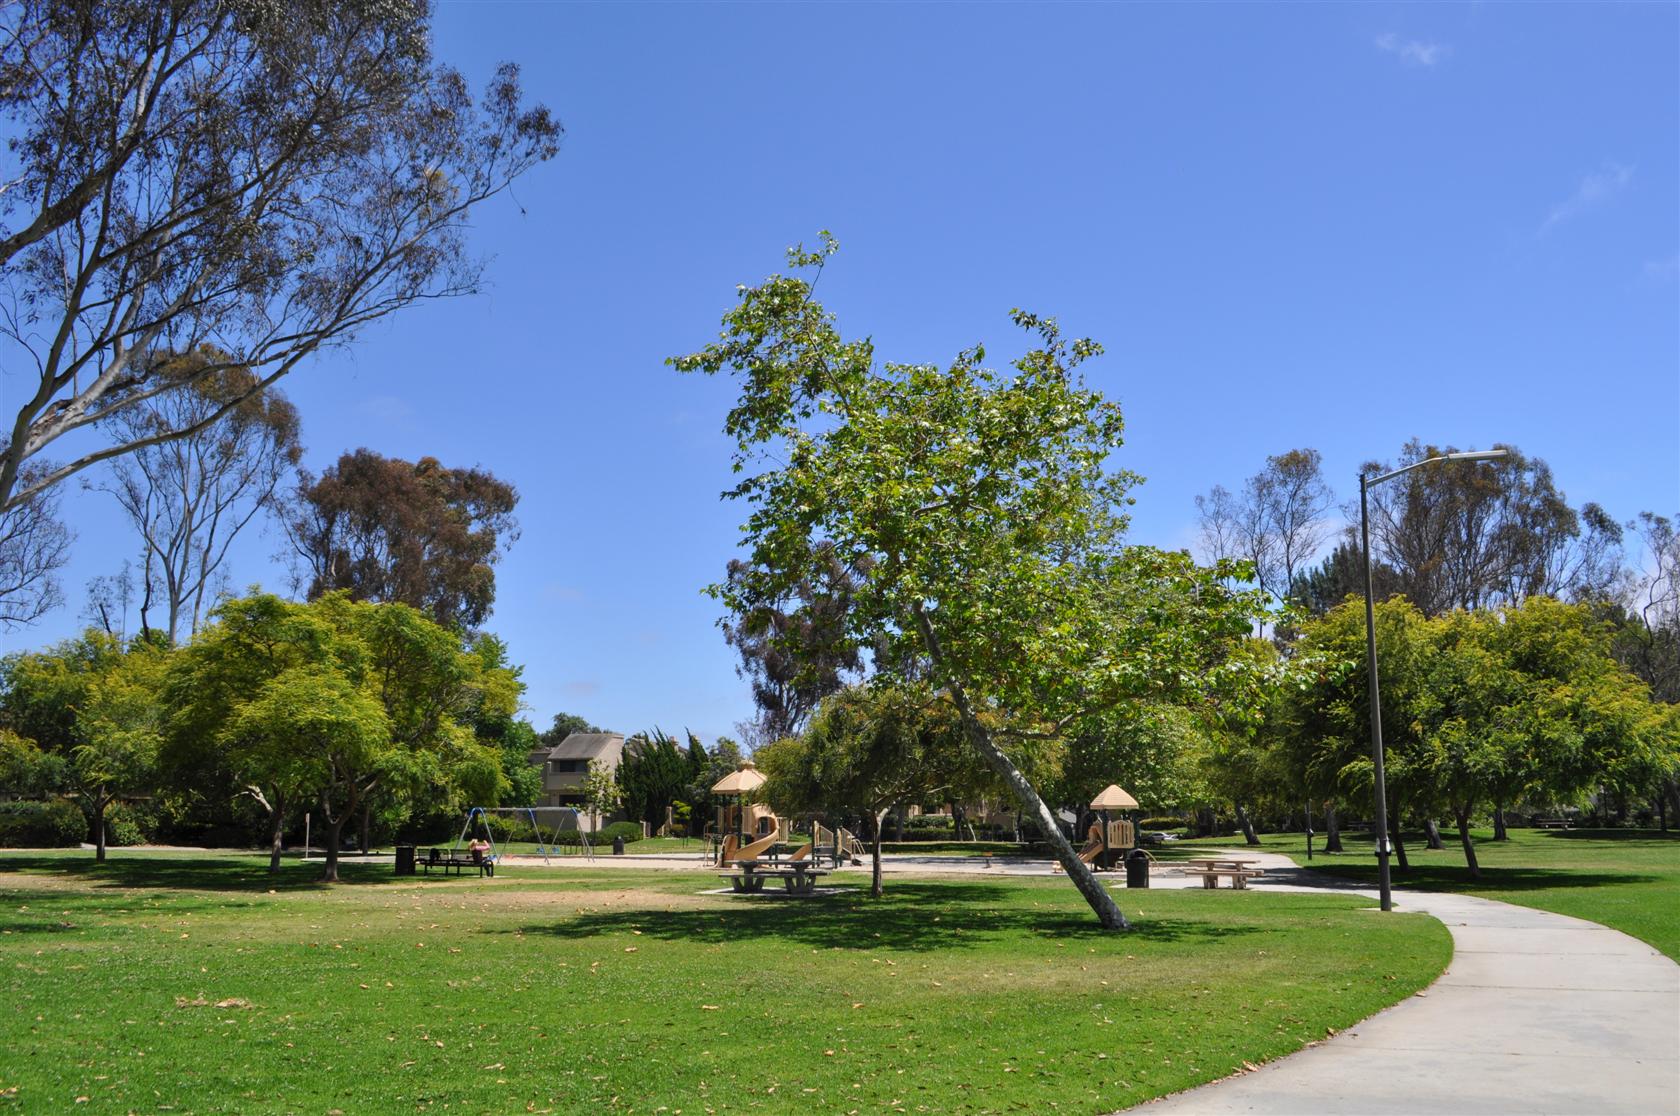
x=983, y=508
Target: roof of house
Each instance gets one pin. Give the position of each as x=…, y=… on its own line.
x=586, y=745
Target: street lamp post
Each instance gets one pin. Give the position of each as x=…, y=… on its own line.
x=1365, y=484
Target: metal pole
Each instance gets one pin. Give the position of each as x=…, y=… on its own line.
x=1376, y=707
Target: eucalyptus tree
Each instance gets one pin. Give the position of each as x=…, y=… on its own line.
x=982, y=506
x=797, y=651
x=414, y=532
x=1477, y=534
x=188, y=498
x=253, y=181
x=1278, y=522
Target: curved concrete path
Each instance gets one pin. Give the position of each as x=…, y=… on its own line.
x=1538, y=1014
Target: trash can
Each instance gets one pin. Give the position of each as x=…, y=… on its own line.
x=1137, y=868
x=405, y=860
x=618, y=846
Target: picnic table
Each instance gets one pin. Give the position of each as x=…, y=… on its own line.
x=447, y=862
x=798, y=876
x=1212, y=868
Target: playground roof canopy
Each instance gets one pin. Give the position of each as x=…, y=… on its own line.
x=743, y=779
x=1113, y=798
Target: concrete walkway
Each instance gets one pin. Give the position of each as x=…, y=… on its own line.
x=1537, y=1014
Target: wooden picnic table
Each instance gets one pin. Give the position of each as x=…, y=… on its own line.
x=1212, y=868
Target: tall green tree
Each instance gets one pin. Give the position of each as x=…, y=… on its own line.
x=119, y=728
x=867, y=750
x=89, y=707
x=386, y=698
x=982, y=506
x=653, y=775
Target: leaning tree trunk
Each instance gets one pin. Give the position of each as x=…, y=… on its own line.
x=1332, y=829
x=1399, y=847
x=1499, y=833
x=1433, y=832
x=1469, y=845
x=1247, y=824
x=1102, y=903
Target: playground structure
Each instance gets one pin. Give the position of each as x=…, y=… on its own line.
x=545, y=831
x=842, y=844
x=1107, y=840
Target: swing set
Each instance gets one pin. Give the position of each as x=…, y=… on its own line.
x=546, y=836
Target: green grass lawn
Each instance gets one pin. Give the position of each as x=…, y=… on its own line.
x=198, y=983
x=1626, y=879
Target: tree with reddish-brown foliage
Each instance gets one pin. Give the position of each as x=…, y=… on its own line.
x=392, y=530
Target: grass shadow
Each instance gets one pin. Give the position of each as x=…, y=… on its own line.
x=199, y=873
x=911, y=917
x=1432, y=877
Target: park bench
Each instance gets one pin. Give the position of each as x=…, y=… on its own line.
x=799, y=877
x=446, y=863
x=1553, y=823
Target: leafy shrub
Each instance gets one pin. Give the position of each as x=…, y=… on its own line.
x=41, y=825
x=925, y=823
x=630, y=831
x=1173, y=822
x=123, y=827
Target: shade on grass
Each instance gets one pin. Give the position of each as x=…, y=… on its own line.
x=1626, y=879
x=186, y=982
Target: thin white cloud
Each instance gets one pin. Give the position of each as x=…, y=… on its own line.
x=1594, y=190
x=581, y=689
x=1413, y=52
x=1663, y=271
x=390, y=410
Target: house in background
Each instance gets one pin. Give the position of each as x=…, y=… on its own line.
x=565, y=765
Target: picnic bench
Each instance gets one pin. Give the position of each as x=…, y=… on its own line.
x=447, y=862
x=798, y=876
x=1553, y=823
x=1212, y=869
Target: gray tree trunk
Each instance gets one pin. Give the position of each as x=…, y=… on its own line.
x=1249, y=836
x=276, y=823
x=1332, y=830
x=1499, y=833
x=875, y=849
x=99, y=805
x=1433, y=832
x=1469, y=845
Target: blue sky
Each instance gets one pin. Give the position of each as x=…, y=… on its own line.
x=1336, y=226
